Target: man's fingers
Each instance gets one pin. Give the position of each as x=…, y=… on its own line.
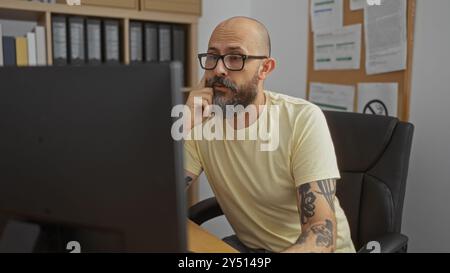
x=206, y=94
x=206, y=108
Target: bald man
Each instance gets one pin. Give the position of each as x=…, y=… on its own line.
x=281, y=200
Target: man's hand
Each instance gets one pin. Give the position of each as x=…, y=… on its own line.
x=206, y=94
x=317, y=218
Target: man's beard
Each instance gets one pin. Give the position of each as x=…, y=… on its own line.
x=243, y=95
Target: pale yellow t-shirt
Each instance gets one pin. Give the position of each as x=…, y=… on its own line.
x=257, y=189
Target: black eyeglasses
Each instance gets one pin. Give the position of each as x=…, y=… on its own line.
x=232, y=62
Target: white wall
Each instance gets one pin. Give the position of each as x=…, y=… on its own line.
x=287, y=22
x=426, y=218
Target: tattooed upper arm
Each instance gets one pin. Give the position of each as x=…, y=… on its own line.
x=311, y=197
x=328, y=190
x=317, y=218
x=307, y=203
x=189, y=178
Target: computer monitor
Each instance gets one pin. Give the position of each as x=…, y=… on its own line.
x=87, y=158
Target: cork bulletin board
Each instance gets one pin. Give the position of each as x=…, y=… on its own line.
x=353, y=77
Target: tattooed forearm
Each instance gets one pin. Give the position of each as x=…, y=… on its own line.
x=328, y=190
x=307, y=203
x=324, y=233
x=188, y=181
x=318, y=224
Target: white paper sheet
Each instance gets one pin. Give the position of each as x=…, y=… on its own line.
x=378, y=99
x=338, y=49
x=385, y=36
x=326, y=14
x=357, y=4
x=332, y=96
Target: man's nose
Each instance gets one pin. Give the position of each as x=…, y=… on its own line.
x=220, y=69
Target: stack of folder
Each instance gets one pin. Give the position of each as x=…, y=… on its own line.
x=79, y=40
x=29, y=50
x=153, y=42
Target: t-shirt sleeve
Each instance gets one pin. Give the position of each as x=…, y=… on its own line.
x=192, y=161
x=313, y=156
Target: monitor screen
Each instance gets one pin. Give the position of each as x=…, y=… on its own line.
x=87, y=159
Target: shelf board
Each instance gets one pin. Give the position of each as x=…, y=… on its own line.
x=11, y=5
x=21, y=15
x=94, y=11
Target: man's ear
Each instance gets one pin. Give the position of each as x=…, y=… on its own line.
x=266, y=68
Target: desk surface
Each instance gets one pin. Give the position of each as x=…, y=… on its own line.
x=201, y=241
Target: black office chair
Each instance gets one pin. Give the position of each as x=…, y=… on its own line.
x=373, y=156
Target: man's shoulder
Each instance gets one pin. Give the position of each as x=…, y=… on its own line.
x=295, y=107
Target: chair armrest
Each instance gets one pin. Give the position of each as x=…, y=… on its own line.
x=389, y=243
x=205, y=210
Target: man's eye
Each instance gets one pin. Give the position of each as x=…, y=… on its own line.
x=212, y=57
x=234, y=58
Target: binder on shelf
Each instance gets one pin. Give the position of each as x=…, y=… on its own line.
x=179, y=46
x=1, y=46
x=76, y=41
x=21, y=51
x=136, y=51
x=94, y=41
x=165, y=42
x=111, y=41
x=31, y=46
x=41, y=49
x=9, y=51
x=59, y=31
x=151, y=42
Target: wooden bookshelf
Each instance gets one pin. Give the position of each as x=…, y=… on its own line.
x=42, y=14
x=124, y=11
x=123, y=4
x=179, y=6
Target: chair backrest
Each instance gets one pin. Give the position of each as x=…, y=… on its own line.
x=373, y=157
